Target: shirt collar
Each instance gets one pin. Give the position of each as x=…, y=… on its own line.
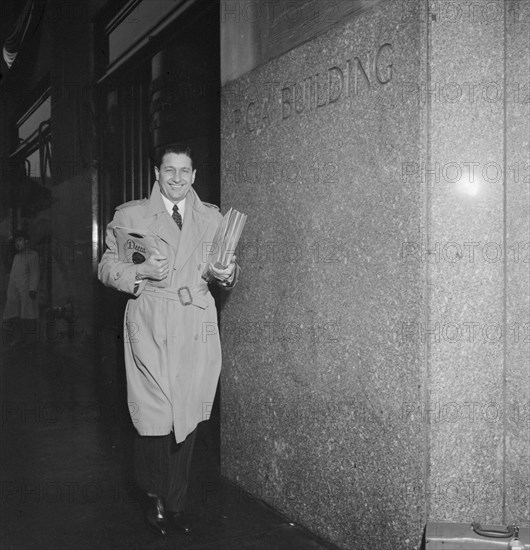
x=169, y=205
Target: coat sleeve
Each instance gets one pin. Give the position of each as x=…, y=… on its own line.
x=232, y=283
x=34, y=272
x=111, y=271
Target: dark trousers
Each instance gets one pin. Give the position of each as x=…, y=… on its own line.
x=162, y=467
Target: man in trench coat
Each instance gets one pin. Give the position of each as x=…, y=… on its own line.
x=172, y=346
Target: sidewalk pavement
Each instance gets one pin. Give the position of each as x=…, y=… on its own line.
x=66, y=467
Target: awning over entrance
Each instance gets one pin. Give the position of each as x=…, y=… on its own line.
x=27, y=19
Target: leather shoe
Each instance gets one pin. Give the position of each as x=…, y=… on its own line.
x=155, y=515
x=179, y=521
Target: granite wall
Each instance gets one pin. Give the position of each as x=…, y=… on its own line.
x=476, y=325
x=516, y=381
x=375, y=354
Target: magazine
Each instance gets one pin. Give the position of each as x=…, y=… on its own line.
x=135, y=245
x=225, y=241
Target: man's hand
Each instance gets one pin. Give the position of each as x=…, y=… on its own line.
x=224, y=275
x=156, y=267
x=33, y=294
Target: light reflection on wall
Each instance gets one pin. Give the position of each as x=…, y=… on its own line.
x=470, y=183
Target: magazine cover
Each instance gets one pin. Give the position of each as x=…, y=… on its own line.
x=135, y=246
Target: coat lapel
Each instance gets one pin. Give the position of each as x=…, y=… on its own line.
x=162, y=224
x=193, y=229
x=194, y=225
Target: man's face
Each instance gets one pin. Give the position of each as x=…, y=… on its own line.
x=175, y=176
x=20, y=243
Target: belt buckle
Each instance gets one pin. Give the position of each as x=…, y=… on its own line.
x=185, y=300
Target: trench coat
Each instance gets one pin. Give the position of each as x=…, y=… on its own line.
x=171, y=337
x=24, y=277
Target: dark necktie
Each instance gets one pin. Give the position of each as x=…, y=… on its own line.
x=176, y=216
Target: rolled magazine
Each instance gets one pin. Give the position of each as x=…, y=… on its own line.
x=225, y=241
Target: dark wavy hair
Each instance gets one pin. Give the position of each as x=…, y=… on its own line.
x=177, y=148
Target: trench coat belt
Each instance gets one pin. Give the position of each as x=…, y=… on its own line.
x=187, y=295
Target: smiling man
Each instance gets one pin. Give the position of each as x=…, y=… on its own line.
x=172, y=354
x=175, y=176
